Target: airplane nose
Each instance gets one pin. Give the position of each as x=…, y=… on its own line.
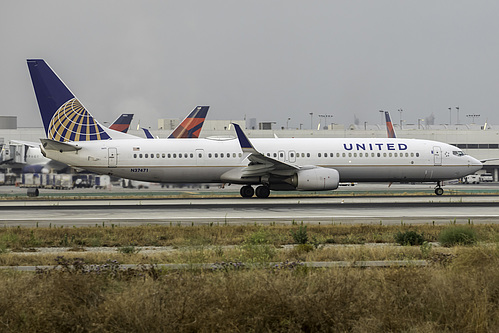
x=475, y=163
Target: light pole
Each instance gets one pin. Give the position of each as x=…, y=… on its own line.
x=457, y=108
x=419, y=123
x=287, y=123
x=311, y=117
x=381, y=112
x=400, y=110
x=450, y=116
x=472, y=116
x=325, y=116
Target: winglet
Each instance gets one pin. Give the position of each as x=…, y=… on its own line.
x=389, y=126
x=246, y=145
x=147, y=133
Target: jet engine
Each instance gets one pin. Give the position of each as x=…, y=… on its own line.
x=315, y=179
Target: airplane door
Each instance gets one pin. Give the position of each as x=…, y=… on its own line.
x=200, y=158
x=112, y=157
x=437, y=155
x=292, y=156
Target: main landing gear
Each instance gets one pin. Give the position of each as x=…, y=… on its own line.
x=439, y=190
x=262, y=191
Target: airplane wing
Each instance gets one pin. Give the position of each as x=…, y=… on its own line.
x=260, y=164
x=27, y=143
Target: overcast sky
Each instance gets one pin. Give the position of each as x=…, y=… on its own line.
x=270, y=60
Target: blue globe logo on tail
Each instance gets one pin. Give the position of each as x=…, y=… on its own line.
x=72, y=122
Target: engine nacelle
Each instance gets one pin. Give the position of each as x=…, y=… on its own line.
x=316, y=179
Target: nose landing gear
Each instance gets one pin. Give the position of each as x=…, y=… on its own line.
x=439, y=190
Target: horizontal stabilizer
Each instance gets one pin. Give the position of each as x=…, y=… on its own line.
x=57, y=145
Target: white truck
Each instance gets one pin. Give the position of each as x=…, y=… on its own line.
x=471, y=179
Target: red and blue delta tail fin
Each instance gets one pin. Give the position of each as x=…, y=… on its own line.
x=122, y=124
x=389, y=126
x=64, y=117
x=191, y=126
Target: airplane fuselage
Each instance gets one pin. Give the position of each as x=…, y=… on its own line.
x=214, y=161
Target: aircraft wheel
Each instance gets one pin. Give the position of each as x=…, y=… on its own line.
x=262, y=191
x=247, y=191
x=439, y=191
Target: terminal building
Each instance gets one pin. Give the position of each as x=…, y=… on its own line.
x=475, y=140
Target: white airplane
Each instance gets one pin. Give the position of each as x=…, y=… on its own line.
x=309, y=164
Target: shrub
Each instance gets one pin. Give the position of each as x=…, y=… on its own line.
x=300, y=236
x=409, y=238
x=457, y=235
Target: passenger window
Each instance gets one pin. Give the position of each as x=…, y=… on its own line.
x=234, y=155
x=209, y=155
x=412, y=154
x=389, y=154
x=344, y=154
x=157, y=155
x=146, y=155
x=395, y=154
x=308, y=154
x=240, y=154
x=200, y=155
x=191, y=155
x=349, y=154
x=275, y=154
x=216, y=155
x=169, y=155
x=354, y=154
x=281, y=154
x=174, y=155
x=384, y=154
x=221, y=154
x=134, y=155
x=152, y=155
x=417, y=154
x=360, y=154
x=163, y=155
x=319, y=154
x=379, y=154
x=291, y=155
x=228, y=155
x=179, y=155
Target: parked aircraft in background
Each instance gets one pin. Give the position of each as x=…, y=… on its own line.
x=190, y=127
x=389, y=126
x=309, y=164
x=122, y=124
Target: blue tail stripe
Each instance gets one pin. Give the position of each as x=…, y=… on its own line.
x=50, y=91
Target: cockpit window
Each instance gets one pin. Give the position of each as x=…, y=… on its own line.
x=458, y=152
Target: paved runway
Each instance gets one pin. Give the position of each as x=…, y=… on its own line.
x=345, y=210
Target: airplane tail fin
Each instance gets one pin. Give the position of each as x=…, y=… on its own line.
x=64, y=117
x=389, y=126
x=191, y=126
x=122, y=124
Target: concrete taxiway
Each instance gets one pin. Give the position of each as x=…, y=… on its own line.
x=346, y=210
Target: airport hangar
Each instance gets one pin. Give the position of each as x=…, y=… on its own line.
x=479, y=141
